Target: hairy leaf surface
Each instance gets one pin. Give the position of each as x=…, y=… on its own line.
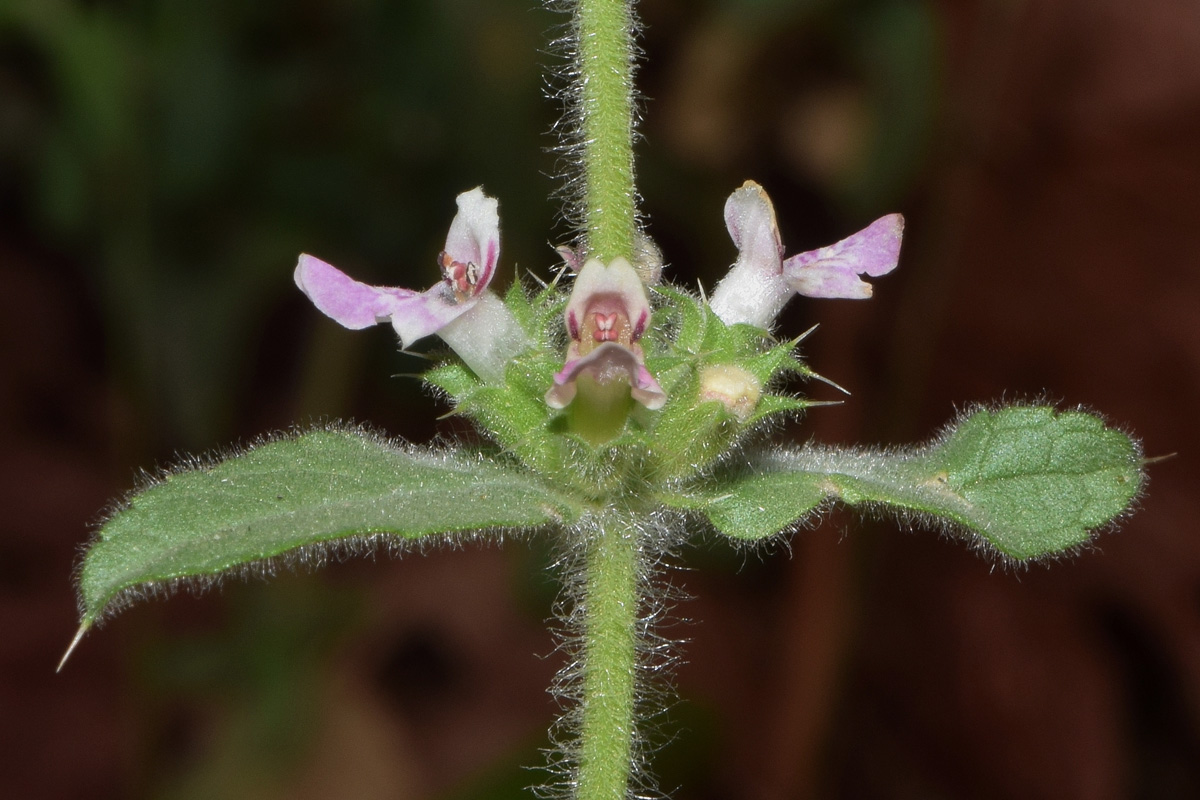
x=1028, y=480
x=319, y=487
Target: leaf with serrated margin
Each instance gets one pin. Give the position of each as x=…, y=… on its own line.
x=1027, y=480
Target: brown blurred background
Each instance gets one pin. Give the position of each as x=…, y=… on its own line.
x=161, y=165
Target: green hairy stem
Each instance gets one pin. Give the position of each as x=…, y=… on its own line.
x=610, y=662
x=605, y=73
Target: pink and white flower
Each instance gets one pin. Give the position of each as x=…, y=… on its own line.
x=761, y=281
x=606, y=316
x=459, y=308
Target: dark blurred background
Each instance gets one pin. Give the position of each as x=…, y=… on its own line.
x=163, y=162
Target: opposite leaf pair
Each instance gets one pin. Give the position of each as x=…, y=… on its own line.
x=1022, y=481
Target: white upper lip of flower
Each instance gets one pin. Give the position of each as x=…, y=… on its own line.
x=607, y=303
x=605, y=316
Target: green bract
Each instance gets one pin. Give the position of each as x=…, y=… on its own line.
x=656, y=448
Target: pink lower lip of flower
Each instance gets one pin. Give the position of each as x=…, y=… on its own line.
x=834, y=271
x=356, y=305
x=606, y=363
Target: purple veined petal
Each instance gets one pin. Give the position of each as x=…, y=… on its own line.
x=608, y=362
x=750, y=220
x=833, y=271
x=474, y=236
x=357, y=305
x=346, y=301
x=646, y=390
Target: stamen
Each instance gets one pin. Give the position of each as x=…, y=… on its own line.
x=603, y=324
x=605, y=327
x=463, y=278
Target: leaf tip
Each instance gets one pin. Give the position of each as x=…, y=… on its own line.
x=74, y=643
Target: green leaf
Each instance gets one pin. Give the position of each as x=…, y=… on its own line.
x=1028, y=481
x=320, y=487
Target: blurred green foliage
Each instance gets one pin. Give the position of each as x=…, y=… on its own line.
x=252, y=692
x=185, y=153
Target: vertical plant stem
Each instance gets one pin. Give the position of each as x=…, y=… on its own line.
x=611, y=595
x=610, y=662
x=605, y=53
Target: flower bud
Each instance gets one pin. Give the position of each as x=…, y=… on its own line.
x=731, y=386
